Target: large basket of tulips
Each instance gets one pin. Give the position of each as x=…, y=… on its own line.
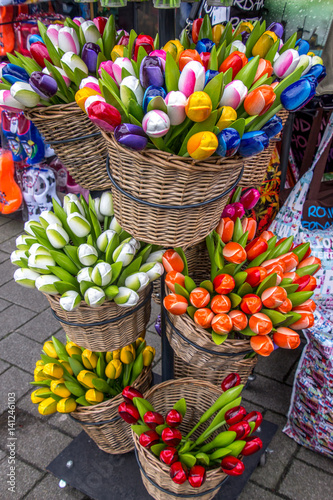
x=88, y=385
x=188, y=436
x=97, y=278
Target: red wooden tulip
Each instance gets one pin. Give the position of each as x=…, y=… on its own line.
x=260, y=324
x=255, y=247
x=39, y=52
x=251, y=304
x=144, y=41
x=220, y=304
x=231, y=380
x=174, y=418
x=175, y=304
x=205, y=56
x=290, y=260
x=308, y=305
x=285, y=307
x=306, y=285
x=225, y=229
x=254, y=416
x=171, y=437
x=153, y=419
x=242, y=429
x=232, y=466
x=286, y=338
x=253, y=444
x=306, y=321
x=129, y=393
x=197, y=476
x=203, y=317
x=250, y=225
x=178, y=473
x=199, y=297
x=309, y=262
x=239, y=320
x=196, y=29
x=235, y=415
x=259, y=100
x=273, y=297
x=267, y=235
x=302, y=282
x=174, y=277
x=169, y=455
x=172, y=261
x=234, y=252
x=188, y=55
x=236, y=60
x=255, y=275
x=224, y=284
x=262, y=344
x=128, y=412
x=221, y=324
x=149, y=438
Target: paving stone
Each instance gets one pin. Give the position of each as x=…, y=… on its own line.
x=155, y=311
x=283, y=448
x=64, y=423
x=6, y=271
x=11, y=229
x=2, y=455
x=3, y=366
x=291, y=376
x=250, y=406
x=253, y=491
x=4, y=304
x=4, y=220
x=29, y=298
x=20, y=351
x=304, y=482
x=13, y=380
x=3, y=256
x=157, y=367
x=28, y=406
x=25, y=477
x=279, y=364
x=155, y=341
x=313, y=458
x=13, y=317
x=37, y=442
x=48, y=488
x=269, y=393
x=41, y=327
x=10, y=245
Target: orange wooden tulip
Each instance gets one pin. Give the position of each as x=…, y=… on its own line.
x=225, y=229
x=309, y=262
x=199, y=297
x=250, y=225
x=203, y=317
x=236, y=60
x=306, y=321
x=262, y=344
x=306, y=283
x=292, y=276
x=174, y=277
x=273, y=297
x=268, y=264
x=222, y=324
x=264, y=68
x=255, y=248
x=175, y=304
x=286, y=338
x=220, y=304
x=260, y=324
x=276, y=269
x=308, y=305
x=290, y=261
x=234, y=252
x=255, y=275
x=251, y=304
x=172, y=261
x=239, y=320
x=267, y=235
x=285, y=307
x=259, y=100
x=224, y=284
x=188, y=55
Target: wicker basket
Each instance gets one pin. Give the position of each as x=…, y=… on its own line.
x=256, y=167
x=155, y=474
x=104, y=425
x=105, y=328
x=244, y=368
x=165, y=199
x=76, y=141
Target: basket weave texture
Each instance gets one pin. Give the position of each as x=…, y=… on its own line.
x=255, y=168
x=113, y=437
x=199, y=397
x=76, y=141
x=111, y=335
x=163, y=181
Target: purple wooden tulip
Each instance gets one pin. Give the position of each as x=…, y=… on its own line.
x=276, y=28
x=151, y=72
x=44, y=85
x=245, y=35
x=229, y=211
x=161, y=54
x=131, y=136
x=89, y=55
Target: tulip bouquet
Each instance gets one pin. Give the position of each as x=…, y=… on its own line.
x=189, y=459
x=69, y=375
x=259, y=289
x=214, y=96
x=99, y=265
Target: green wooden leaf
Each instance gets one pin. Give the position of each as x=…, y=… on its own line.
x=182, y=291
x=109, y=36
x=171, y=73
x=268, y=282
x=272, y=52
x=244, y=289
x=214, y=89
x=251, y=41
x=289, y=44
x=213, y=62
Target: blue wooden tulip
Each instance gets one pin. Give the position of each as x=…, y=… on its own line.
x=299, y=93
x=204, y=45
x=253, y=143
x=272, y=127
x=318, y=71
x=131, y=136
x=89, y=55
x=209, y=75
x=229, y=141
x=35, y=38
x=13, y=74
x=150, y=93
x=302, y=46
x=151, y=72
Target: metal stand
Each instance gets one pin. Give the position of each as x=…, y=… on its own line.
x=167, y=351
x=285, y=147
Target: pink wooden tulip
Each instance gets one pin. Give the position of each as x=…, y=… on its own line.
x=156, y=123
x=91, y=99
x=91, y=82
x=176, y=102
x=104, y=115
x=192, y=78
x=53, y=33
x=286, y=63
x=162, y=56
x=234, y=94
x=68, y=40
x=118, y=65
x=108, y=67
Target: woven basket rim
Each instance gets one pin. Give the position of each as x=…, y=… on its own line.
x=47, y=112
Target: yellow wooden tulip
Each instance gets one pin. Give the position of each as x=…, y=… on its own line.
x=199, y=106
x=82, y=95
x=202, y=145
x=228, y=116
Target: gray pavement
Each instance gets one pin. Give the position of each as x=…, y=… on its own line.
x=291, y=472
